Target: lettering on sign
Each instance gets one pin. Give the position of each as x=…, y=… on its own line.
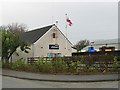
x=52, y=46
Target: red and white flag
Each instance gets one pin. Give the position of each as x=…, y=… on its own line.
x=69, y=21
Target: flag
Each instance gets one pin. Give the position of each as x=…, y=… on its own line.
x=69, y=21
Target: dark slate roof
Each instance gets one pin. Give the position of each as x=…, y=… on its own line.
x=33, y=35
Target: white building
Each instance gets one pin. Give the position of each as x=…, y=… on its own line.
x=47, y=41
x=100, y=43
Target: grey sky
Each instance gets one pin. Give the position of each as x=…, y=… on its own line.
x=91, y=20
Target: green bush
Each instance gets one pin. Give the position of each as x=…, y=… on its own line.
x=30, y=68
x=18, y=65
x=73, y=66
x=39, y=65
x=47, y=67
x=43, y=66
x=6, y=64
x=116, y=63
x=59, y=66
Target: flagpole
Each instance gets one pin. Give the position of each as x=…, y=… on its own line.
x=66, y=32
x=66, y=26
x=70, y=23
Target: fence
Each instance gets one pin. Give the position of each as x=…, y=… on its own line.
x=32, y=60
x=101, y=62
x=115, y=53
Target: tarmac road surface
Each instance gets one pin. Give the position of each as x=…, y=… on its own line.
x=10, y=82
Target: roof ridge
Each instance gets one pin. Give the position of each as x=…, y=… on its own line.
x=41, y=27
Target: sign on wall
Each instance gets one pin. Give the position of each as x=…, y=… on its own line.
x=53, y=46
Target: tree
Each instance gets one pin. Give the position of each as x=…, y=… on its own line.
x=81, y=44
x=11, y=41
x=17, y=28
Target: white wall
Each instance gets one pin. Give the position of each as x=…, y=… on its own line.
x=37, y=50
x=22, y=54
x=64, y=46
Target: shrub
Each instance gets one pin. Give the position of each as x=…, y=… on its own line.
x=73, y=67
x=30, y=68
x=116, y=63
x=6, y=64
x=43, y=66
x=18, y=65
x=59, y=66
x=47, y=68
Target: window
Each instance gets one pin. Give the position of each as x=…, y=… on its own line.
x=53, y=35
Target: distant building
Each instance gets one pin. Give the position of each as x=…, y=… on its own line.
x=47, y=41
x=98, y=44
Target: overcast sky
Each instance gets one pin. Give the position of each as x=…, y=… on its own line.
x=91, y=20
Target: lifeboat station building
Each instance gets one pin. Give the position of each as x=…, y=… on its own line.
x=47, y=41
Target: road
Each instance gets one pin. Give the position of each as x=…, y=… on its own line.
x=9, y=82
